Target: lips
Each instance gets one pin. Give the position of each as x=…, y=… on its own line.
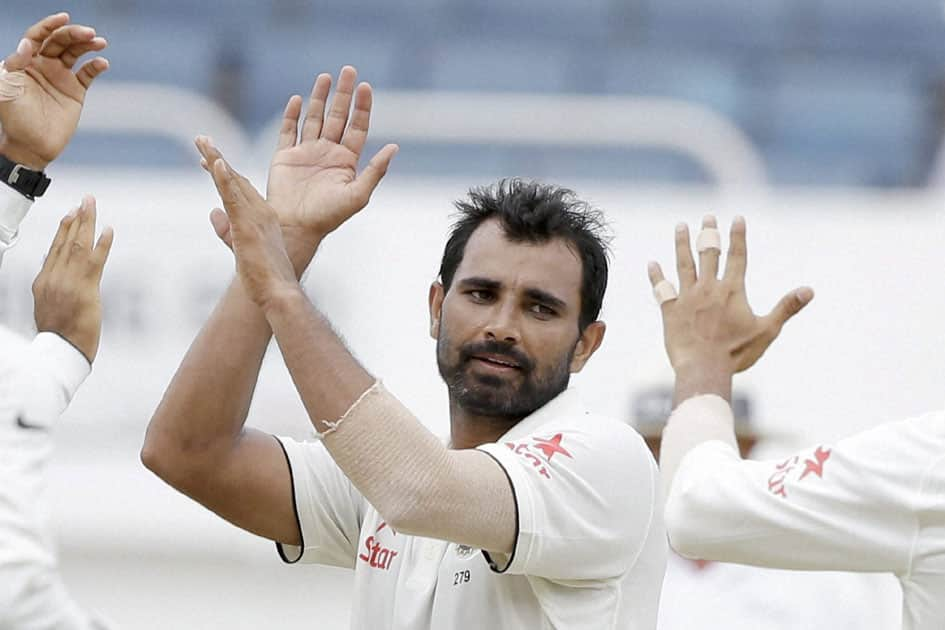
x=497, y=360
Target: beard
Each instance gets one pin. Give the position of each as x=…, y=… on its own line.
x=511, y=397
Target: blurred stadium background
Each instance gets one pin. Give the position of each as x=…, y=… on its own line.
x=820, y=120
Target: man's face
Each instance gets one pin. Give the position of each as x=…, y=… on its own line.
x=507, y=329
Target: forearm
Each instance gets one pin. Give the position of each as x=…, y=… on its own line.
x=206, y=404
x=418, y=485
x=691, y=425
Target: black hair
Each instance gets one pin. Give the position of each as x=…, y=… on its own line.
x=533, y=212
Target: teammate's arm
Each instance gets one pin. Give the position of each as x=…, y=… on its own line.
x=41, y=99
x=711, y=333
x=196, y=440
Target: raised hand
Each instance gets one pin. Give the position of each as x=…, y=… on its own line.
x=313, y=180
x=710, y=322
x=38, y=124
x=253, y=232
x=66, y=294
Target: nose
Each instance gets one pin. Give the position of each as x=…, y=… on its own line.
x=503, y=324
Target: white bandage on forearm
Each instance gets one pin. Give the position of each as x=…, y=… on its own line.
x=664, y=291
x=699, y=419
x=414, y=481
x=12, y=84
x=709, y=238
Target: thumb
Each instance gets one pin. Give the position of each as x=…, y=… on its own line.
x=790, y=305
x=20, y=59
x=365, y=183
x=221, y=225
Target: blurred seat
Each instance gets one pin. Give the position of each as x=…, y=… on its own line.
x=493, y=64
x=734, y=25
x=564, y=20
x=285, y=61
x=705, y=79
x=878, y=27
x=172, y=52
x=859, y=124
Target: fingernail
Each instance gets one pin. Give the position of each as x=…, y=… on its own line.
x=24, y=47
x=805, y=295
x=680, y=227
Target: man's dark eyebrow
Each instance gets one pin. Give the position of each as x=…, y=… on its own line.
x=546, y=298
x=476, y=282
x=480, y=283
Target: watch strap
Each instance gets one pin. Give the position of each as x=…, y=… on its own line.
x=28, y=182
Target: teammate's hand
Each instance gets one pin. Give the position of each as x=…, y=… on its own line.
x=37, y=125
x=254, y=233
x=710, y=322
x=66, y=293
x=313, y=181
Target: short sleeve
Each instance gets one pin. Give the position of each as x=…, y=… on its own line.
x=844, y=507
x=586, y=501
x=328, y=507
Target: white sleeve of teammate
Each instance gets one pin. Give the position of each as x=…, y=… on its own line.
x=328, y=507
x=846, y=507
x=13, y=207
x=41, y=382
x=587, y=502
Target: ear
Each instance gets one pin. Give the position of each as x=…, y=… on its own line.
x=587, y=344
x=435, y=300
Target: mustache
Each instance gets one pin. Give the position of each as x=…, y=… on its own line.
x=497, y=348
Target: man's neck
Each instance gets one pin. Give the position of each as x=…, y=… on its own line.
x=470, y=430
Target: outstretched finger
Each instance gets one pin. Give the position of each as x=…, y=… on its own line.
x=100, y=253
x=789, y=306
x=357, y=132
x=363, y=186
x=209, y=154
x=289, y=131
x=55, y=248
x=69, y=244
x=737, y=260
x=20, y=58
x=86, y=232
x=709, y=248
x=314, y=117
x=228, y=188
x=663, y=290
x=337, y=118
x=685, y=264
x=90, y=70
x=65, y=37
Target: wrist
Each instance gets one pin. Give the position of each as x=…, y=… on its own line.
x=696, y=378
x=282, y=299
x=301, y=245
x=22, y=155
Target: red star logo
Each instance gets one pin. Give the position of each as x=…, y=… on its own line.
x=550, y=447
x=816, y=467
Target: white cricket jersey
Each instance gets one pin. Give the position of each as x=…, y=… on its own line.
x=37, y=381
x=718, y=595
x=590, y=550
x=874, y=502
x=13, y=207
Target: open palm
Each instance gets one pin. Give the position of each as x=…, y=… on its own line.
x=38, y=124
x=313, y=180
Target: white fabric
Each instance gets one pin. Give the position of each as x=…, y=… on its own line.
x=719, y=595
x=590, y=552
x=13, y=207
x=37, y=381
x=873, y=502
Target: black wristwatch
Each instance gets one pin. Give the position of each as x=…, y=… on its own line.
x=31, y=184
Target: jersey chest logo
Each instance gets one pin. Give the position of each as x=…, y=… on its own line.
x=376, y=555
